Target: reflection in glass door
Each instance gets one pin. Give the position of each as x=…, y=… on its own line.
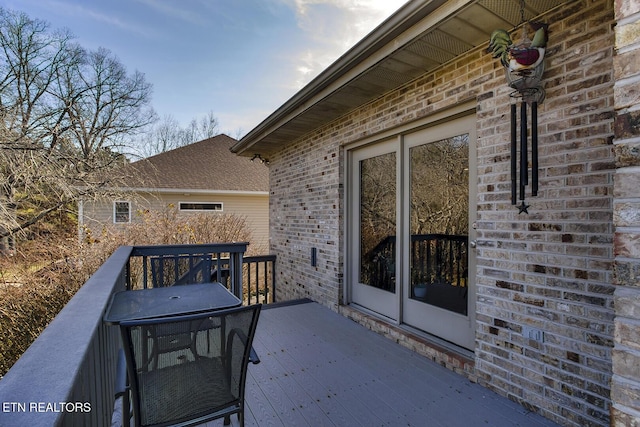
x=439, y=222
x=374, y=210
x=378, y=222
x=440, y=181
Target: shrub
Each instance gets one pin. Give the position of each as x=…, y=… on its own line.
x=34, y=286
x=167, y=227
x=48, y=270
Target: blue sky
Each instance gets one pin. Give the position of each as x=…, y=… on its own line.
x=240, y=59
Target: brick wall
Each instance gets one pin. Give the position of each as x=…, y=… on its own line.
x=625, y=386
x=551, y=269
x=306, y=213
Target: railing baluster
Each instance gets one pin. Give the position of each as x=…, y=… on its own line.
x=249, y=282
x=273, y=280
x=265, y=278
x=256, y=280
x=145, y=272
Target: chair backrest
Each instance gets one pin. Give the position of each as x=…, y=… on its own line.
x=170, y=270
x=202, y=378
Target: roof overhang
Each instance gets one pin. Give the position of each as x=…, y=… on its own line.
x=418, y=38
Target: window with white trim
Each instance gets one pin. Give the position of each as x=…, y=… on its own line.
x=201, y=206
x=121, y=212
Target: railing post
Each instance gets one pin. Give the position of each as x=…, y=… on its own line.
x=235, y=258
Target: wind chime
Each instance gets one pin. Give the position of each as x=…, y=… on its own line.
x=524, y=66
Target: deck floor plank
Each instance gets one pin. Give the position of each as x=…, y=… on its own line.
x=342, y=376
x=282, y=369
x=300, y=405
x=305, y=389
x=367, y=366
x=321, y=369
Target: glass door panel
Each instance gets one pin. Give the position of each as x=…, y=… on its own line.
x=439, y=291
x=439, y=222
x=374, y=207
x=378, y=222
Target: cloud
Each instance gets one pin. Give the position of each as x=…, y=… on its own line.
x=167, y=8
x=332, y=27
x=355, y=17
x=81, y=12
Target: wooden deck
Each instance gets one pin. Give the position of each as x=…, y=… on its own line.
x=321, y=369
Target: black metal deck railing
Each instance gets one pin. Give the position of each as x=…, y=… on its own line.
x=259, y=279
x=67, y=376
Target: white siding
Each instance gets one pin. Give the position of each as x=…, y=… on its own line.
x=254, y=208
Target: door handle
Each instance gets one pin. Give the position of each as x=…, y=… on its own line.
x=473, y=243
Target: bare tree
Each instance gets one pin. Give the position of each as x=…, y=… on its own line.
x=440, y=187
x=201, y=129
x=163, y=136
x=65, y=113
x=167, y=134
x=104, y=104
x=31, y=60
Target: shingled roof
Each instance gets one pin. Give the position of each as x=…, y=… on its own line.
x=203, y=165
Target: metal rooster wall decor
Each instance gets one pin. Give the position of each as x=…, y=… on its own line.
x=524, y=66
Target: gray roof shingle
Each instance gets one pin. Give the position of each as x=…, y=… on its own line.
x=203, y=165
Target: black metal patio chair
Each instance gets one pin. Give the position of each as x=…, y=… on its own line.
x=179, y=270
x=195, y=383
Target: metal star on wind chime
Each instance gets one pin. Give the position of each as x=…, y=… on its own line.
x=524, y=66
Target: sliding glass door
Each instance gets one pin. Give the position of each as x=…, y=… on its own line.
x=412, y=209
